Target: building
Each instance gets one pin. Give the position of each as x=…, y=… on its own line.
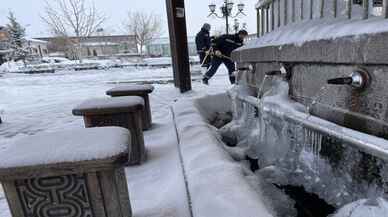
x=160, y=47
x=93, y=46
x=37, y=48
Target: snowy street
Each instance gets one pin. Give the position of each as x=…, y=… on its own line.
x=31, y=104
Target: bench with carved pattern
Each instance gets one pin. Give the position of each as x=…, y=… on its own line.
x=68, y=173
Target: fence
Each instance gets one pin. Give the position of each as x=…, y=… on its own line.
x=272, y=14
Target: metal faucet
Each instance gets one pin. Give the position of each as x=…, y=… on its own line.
x=357, y=79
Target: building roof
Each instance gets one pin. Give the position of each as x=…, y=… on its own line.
x=36, y=40
x=89, y=37
x=166, y=40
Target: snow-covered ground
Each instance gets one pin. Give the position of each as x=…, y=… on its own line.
x=32, y=104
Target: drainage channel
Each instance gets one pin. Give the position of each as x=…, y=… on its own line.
x=306, y=204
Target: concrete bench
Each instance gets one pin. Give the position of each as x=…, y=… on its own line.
x=136, y=90
x=117, y=111
x=69, y=173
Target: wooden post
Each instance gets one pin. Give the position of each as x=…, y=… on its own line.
x=385, y=8
x=365, y=5
x=267, y=19
x=258, y=23
x=349, y=9
x=311, y=9
x=285, y=12
x=321, y=8
x=293, y=11
x=301, y=10
x=178, y=42
x=279, y=22
x=262, y=21
x=273, y=16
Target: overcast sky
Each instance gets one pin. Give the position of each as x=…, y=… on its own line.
x=28, y=13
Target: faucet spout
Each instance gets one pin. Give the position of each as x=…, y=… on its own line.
x=340, y=81
x=358, y=80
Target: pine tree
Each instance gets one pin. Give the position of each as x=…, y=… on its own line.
x=16, y=39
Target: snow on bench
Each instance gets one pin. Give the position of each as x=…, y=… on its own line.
x=117, y=111
x=218, y=186
x=68, y=173
x=136, y=90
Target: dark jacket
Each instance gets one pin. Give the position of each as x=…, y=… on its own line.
x=227, y=43
x=202, y=40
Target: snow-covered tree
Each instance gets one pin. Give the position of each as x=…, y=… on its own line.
x=17, y=39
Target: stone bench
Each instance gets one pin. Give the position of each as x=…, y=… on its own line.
x=117, y=111
x=136, y=90
x=69, y=173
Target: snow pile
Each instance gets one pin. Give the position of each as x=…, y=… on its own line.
x=311, y=30
x=11, y=66
x=66, y=146
x=218, y=186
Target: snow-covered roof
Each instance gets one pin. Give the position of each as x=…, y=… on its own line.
x=99, y=43
x=36, y=41
x=66, y=146
x=319, y=29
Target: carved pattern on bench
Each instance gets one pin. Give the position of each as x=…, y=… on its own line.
x=55, y=196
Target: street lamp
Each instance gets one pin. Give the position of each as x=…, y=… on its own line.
x=236, y=25
x=226, y=10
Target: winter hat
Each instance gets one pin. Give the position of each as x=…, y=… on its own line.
x=206, y=26
x=242, y=32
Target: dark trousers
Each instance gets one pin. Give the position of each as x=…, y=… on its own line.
x=202, y=57
x=215, y=64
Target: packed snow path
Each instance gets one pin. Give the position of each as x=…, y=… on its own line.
x=30, y=104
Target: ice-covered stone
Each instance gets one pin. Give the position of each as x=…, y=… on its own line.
x=364, y=208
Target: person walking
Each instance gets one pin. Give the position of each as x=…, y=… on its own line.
x=203, y=42
x=223, y=47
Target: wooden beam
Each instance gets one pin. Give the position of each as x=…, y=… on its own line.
x=178, y=42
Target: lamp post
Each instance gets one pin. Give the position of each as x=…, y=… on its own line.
x=226, y=11
x=236, y=25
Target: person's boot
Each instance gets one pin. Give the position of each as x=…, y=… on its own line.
x=205, y=81
x=254, y=163
x=232, y=79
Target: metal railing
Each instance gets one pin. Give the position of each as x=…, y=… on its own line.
x=272, y=14
x=372, y=145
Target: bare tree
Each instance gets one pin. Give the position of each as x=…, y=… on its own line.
x=78, y=18
x=145, y=26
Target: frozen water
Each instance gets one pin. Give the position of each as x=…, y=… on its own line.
x=291, y=154
x=365, y=208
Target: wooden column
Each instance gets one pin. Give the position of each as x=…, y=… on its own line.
x=178, y=42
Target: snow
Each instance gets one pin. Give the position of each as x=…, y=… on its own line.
x=102, y=105
x=218, y=186
x=42, y=103
x=365, y=207
x=317, y=29
x=132, y=88
x=66, y=147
